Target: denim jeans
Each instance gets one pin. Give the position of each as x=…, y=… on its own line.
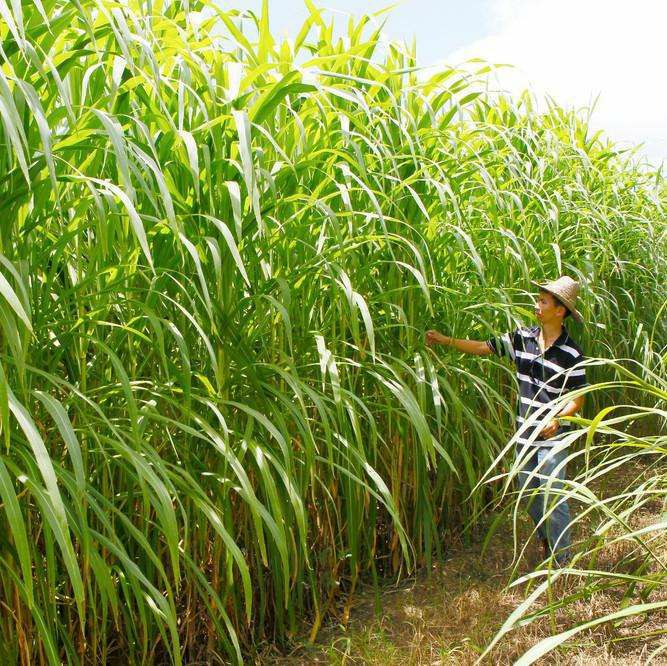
x=555, y=528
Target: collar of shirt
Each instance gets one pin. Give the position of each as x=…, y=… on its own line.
x=534, y=332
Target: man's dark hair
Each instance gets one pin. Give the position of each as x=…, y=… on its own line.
x=558, y=302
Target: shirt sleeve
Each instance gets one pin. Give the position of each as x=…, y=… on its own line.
x=503, y=345
x=576, y=376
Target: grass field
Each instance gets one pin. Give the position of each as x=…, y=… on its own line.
x=219, y=253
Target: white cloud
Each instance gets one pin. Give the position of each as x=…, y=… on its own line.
x=577, y=49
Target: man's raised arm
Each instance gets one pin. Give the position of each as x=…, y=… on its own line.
x=477, y=347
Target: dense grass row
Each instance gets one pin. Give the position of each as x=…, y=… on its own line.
x=219, y=254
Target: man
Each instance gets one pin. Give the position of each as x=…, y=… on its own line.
x=545, y=357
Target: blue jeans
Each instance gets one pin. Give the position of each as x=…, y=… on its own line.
x=555, y=528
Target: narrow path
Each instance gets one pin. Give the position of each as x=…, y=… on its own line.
x=449, y=616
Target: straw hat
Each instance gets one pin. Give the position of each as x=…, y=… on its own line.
x=565, y=289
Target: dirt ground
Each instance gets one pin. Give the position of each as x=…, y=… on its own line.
x=448, y=615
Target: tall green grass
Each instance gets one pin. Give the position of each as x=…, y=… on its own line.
x=219, y=253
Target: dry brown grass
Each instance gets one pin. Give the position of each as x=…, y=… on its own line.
x=448, y=615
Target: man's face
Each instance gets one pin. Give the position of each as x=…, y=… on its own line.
x=546, y=309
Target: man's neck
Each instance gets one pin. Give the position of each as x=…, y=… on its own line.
x=552, y=330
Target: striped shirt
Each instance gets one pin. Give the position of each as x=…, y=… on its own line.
x=541, y=377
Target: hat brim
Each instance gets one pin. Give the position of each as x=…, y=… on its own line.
x=573, y=311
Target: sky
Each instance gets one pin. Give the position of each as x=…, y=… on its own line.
x=573, y=50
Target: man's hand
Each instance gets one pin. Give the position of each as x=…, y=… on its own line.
x=550, y=429
x=434, y=338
